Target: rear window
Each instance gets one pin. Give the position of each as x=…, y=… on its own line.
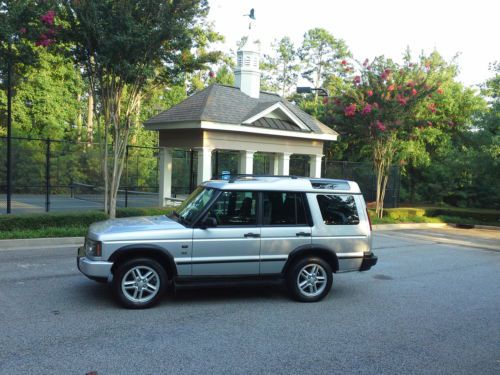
x=338, y=209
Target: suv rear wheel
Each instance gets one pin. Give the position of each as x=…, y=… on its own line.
x=309, y=279
x=139, y=283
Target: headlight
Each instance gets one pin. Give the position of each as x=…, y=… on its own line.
x=93, y=248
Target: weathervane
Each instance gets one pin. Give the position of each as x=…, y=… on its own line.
x=251, y=15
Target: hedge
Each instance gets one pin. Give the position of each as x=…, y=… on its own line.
x=59, y=220
x=468, y=215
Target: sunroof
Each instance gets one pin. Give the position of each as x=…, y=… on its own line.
x=330, y=184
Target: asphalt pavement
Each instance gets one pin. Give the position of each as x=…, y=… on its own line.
x=431, y=306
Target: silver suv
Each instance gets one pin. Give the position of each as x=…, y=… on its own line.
x=245, y=229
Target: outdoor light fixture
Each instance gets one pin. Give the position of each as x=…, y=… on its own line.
x=307, y=90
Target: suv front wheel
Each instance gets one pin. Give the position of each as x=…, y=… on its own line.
x=139, y=283
x=309, y=279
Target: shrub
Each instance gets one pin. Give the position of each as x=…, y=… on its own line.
x=61, y=220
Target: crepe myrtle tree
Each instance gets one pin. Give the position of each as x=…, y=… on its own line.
x=385, y=106
x=125, y=47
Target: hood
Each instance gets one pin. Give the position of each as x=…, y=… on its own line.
x=132, y=227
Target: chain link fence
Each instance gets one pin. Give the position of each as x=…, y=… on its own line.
x=56, y=175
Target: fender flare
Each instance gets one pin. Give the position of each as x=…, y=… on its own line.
x=162, y=255
x=321, y=251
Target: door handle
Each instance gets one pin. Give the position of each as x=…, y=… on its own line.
x=253, y=235
x=303, y=234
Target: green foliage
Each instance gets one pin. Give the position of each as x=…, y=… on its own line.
x=26, y=222
x=321, y=55
x=281, y=70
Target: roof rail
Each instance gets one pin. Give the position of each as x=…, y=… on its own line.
x=238, y=176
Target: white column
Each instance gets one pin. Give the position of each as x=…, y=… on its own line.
x=165, y=183
x=273, y=164
x=283, y=163
x=246, y=162
x=204, y=164
x=315, y=165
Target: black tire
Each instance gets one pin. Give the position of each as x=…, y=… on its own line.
x=136, y=278
x=309, y=286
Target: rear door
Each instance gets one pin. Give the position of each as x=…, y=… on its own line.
x=233, y=246
x=285, y=226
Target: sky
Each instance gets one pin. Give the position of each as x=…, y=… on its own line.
x=469, y=28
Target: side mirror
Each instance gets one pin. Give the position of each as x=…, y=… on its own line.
x=208, y=222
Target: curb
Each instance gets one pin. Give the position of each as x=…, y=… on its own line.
x=30, y=243
x=381, y=227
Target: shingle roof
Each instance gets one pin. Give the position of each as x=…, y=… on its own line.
x=227, y=104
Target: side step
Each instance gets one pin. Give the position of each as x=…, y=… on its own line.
x=226, y=282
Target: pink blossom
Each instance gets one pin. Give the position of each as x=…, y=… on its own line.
x=380, y=126
x=350, y=110
x=366, y=110
x=385, y=74
x=48, y=18
x=44, y=41
x=391, y=88
x=414, y=92
x=401, y=99
x=357, y=80
x=375, y=105
x=343, y=62
x=432, y=107
x=211, y=74
x=23, y=30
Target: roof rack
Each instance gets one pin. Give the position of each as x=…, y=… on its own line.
x=239, y=176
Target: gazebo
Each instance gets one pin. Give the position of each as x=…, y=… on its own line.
x=240, y=118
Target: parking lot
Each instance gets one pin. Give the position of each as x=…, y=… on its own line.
x=431, y=306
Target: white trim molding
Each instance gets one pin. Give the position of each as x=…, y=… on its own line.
x=242, y=129
x=283, y=109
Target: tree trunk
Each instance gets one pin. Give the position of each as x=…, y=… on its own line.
x=90, y=117
x=79, y=121
x=383, y=154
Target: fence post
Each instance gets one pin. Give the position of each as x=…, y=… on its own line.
x=126, y=176
x=47, y=177
x=9, y=128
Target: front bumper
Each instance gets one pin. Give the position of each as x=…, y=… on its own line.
x=369, y=260
x=93, y=269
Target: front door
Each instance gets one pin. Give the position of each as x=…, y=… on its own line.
x=233, y=246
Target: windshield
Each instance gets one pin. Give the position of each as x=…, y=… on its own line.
x=194, y=204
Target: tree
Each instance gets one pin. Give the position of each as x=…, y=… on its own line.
x=383, y=108
x=322, y=56
x=20, y=20
x=125, y=47
x=281, y=70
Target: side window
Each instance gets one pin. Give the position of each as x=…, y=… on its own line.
x=235, y=208
x=338, y=209
x=282, y=208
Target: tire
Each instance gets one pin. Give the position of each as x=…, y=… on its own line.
x=309, y=279
x=139, y=283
